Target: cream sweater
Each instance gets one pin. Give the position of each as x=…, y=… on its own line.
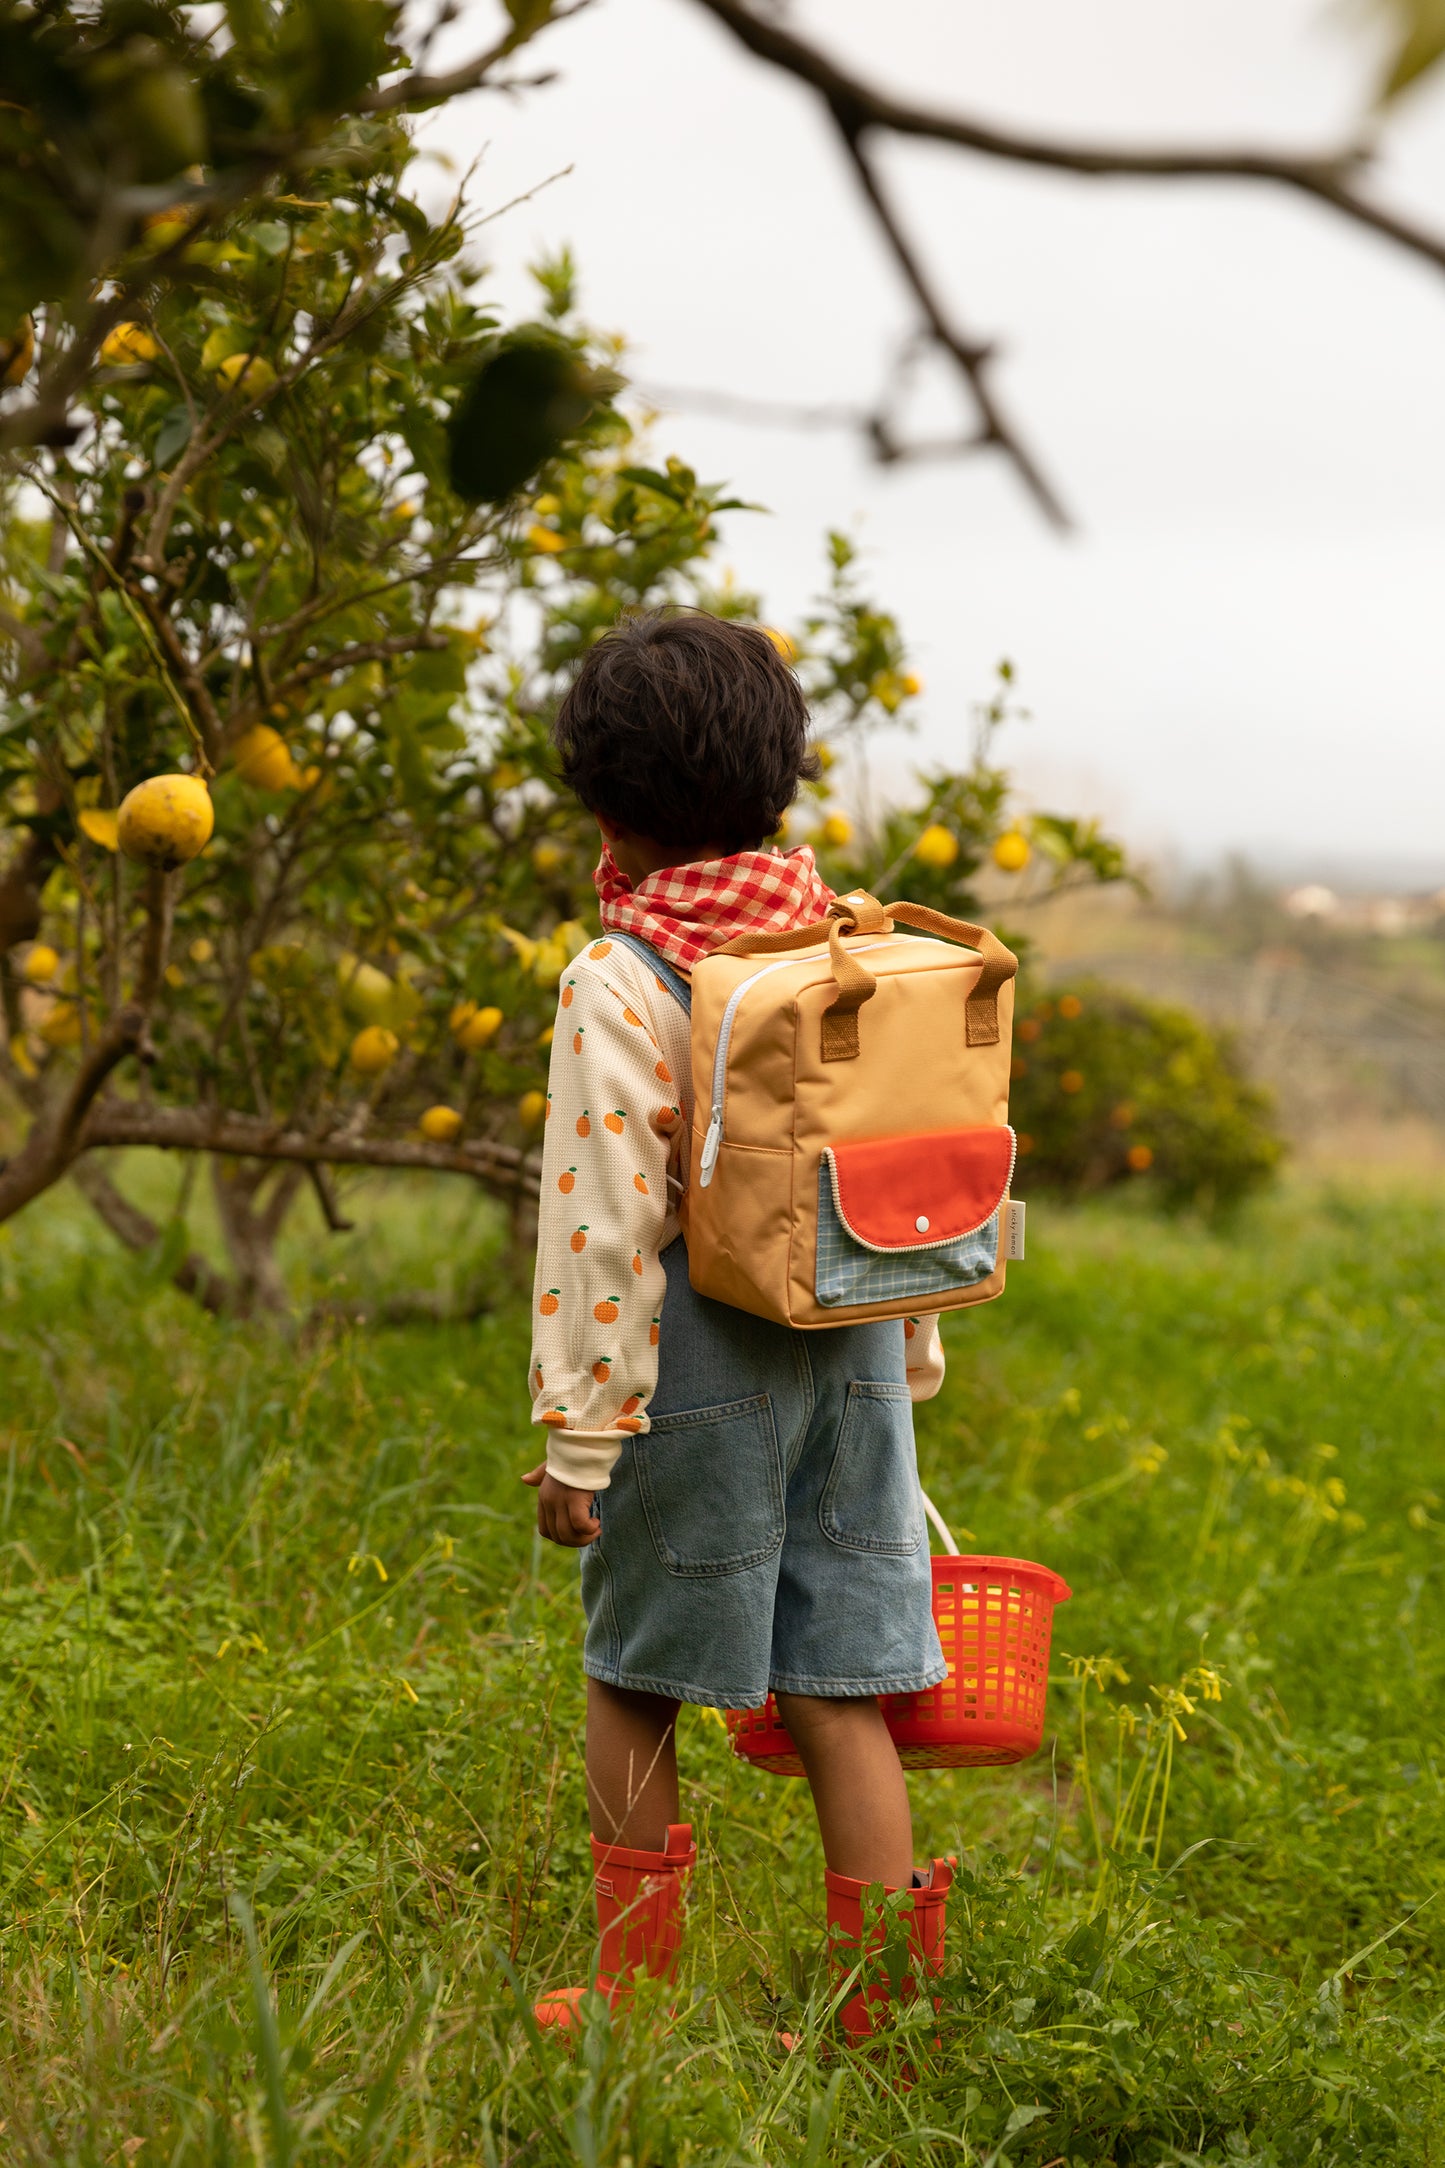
x=619, y=1111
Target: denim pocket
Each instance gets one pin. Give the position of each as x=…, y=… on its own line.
x=712, y=1487
x=871, y=1501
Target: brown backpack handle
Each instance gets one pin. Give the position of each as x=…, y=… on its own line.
x=860, y=913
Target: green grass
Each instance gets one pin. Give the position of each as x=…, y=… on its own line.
x=291, y=1812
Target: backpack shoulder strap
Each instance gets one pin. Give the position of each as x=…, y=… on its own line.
x=669, y=974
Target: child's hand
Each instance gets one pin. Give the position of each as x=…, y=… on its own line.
x=564, y=1515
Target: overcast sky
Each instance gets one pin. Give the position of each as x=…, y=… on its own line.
x=1241, y=398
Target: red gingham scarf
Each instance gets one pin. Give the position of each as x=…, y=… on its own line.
x=685, y=911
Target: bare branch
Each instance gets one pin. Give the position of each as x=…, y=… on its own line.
x=973, y=358
x=197, y=1129
x=858, y=109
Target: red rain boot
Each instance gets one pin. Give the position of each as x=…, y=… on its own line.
x=873, y=1998
x=640, y=1897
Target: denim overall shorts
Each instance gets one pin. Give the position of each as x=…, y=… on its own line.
x=768, y=1530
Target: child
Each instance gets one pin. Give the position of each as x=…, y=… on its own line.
x=745, y=1497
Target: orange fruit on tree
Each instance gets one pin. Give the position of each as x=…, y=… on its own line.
x=1141, y=1158
x=1072, y=1081
x=1070, y=1006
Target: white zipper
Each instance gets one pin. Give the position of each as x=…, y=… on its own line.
x=712, y=1142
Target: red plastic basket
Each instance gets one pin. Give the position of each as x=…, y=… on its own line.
x=995, y=1620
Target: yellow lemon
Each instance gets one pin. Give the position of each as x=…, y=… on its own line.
x=126, y=345
x=911, y=684
x=60, y=1025
x=506, y=775
x=166, y=821
x=201, y=951
x=164, y=228
x=787, y=648
x=263, y=759
x=373, y=1050
x=100, y=826
x=247, y=372
x=547, y=857
x=1011, y=851
x=547, y=507
x=532, y=1106
x=826, y=755
x=40, y=965
x=837, y=830
x=937, y=846
x=543, y=539
x=472, y=1027
x=440, y=1124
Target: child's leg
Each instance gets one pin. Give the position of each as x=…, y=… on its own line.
x=858, y=1786
x=631, y=1766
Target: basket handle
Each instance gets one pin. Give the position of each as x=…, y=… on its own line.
x=940, y=1524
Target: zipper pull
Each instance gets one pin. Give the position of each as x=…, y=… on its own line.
x=711, y=1145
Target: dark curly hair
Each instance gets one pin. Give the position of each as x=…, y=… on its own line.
x=687, y=729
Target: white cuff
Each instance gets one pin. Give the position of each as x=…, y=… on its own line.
x=583, y=1459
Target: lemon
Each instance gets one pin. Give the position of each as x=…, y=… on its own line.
x=201, y=951
x=472, y=1027
x=532, y=1106
x=911, y=684
x=247, y=372
x=543, y=539
x=440, y=1124
x=374, y=1049
x=41, y=964
x=1011, y=851
x=937, y=846
x=263, y=759
x=369, y=995
x=787, y=648
x=60, y=1025
x=547, y=857
x=837, y=830
x=166, y=821
x=826, y=755
x=125, y=346
x=547, y=507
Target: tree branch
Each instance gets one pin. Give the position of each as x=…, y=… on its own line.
x=857, y=108
x=126, y=1221
x=972, y=358
x=242, y=1136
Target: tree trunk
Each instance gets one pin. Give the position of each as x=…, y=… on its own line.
x=251, y=1227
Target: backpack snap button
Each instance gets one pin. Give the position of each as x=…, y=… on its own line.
x=921, y=1223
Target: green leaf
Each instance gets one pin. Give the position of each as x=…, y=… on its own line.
x=1419, y=43
x=172, y=437
x=526, y=400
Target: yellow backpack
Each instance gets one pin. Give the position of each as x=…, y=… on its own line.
x=851, y=1156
